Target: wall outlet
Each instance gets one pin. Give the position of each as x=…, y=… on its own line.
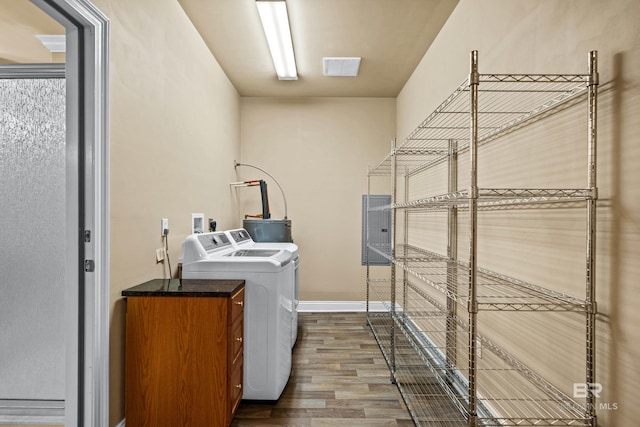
x=159, y=255
x=164, y=226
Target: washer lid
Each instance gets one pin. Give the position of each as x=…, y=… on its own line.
x=264, y=255
x=254, y=252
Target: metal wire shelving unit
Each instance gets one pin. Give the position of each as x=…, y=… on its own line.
x=428, y=332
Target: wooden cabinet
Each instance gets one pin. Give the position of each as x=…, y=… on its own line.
x=184, y=358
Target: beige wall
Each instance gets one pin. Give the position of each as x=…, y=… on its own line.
x=175, y=132
x=555, y=36
x=319, y=150
x=20, y=21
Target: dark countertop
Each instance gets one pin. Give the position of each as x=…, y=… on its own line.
x=188, y=288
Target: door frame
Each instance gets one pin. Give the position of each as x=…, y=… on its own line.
x=87, y=298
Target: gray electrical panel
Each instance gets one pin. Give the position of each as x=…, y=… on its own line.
x=377, y=223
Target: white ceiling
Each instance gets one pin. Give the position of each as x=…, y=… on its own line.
x=391, y=36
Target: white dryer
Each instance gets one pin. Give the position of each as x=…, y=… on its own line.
x=241, y=239
x=267, y=318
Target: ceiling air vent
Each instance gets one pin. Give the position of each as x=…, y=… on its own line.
x=341, y=66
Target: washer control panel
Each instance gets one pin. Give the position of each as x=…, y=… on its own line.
x=213, y=241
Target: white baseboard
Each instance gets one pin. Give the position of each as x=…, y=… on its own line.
x=341, y=306
x=121, y=423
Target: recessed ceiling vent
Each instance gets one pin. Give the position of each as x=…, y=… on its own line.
x=341, y=66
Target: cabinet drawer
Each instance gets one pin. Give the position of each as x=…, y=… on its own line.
x=236, y=383
x=237, y=305
x=237, y=338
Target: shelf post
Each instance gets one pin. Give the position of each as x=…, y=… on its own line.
x=452, y=256
x=366, y=242
x=405, y=241
x=394, y=189
x=474, y=80
x=591, y=234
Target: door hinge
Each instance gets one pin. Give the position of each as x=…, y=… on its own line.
x=89, y=265
x=87, y=235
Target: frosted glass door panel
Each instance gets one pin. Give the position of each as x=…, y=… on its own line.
x=32, y=239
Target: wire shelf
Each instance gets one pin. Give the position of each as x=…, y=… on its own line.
x=380, y=291
x=495, y=198
x=505, y=103
x=447, y=373
x=436, y=388
x=496, y=292
x=427, y=395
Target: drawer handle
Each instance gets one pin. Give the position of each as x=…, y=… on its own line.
x=239, y=386
x=240, y=303
x=239, y=339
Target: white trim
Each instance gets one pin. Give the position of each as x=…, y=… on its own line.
x=121, y=423
x=55, y=43
x=31, y=412
x=341, y=306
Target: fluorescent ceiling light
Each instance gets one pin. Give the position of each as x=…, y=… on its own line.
x=275, y=22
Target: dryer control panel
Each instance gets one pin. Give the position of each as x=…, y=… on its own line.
x=241, y=235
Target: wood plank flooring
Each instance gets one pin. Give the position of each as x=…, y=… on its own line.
x=339, y=378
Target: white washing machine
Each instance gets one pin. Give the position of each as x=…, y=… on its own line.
x=241, y=239
x=267, y=319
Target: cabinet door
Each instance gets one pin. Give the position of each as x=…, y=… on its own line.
x=237, y=339
x=235, y=390
x=176, y=362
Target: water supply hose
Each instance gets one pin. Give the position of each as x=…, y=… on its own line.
x=236, y=164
